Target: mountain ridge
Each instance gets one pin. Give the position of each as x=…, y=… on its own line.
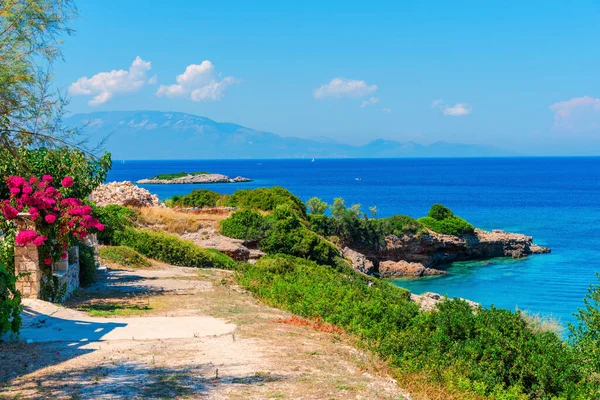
x=157, y=135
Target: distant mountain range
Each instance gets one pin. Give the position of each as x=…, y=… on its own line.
x=155, y=135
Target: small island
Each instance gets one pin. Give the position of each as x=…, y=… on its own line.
x=192, y=177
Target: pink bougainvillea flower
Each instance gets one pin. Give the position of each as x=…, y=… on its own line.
x=48, y=260
x=47, y=178
x=50, y=218
x=10, y=212
x=33, y=180
x=27, y=189
x=15, y=191
x=67, y=182
x=64, y=256
x=14, y=181
x=100, y=226
x=26, y=237
x=39, y=241
x=34, y=212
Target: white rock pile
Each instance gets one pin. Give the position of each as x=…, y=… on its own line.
x=124, y=194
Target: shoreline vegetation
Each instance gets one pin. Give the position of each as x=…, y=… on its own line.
x=191, y=178
x=466, y=350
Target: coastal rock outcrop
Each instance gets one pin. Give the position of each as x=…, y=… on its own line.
x=359, y=262
x=434, y=249
x=200, y=178
x=209, y=238
x=395, y=269
x=429, y=301
x=124, y=194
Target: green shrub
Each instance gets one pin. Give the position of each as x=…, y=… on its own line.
x=585, y=335
x=198, y=198
x=245, y=225
x=265, y=199
x=115, y=219
x=10, y=303
x=87, y=173
x=124, y=256
x=400, y=224
x=454, y=225
x=353, y=227
x=321, y=224
x=173, y=250
x=87, y=265
x=493, y=348
x=440, y=212
x=288, y=235
x=316, y=206
x=177, y=175
x=490, y=353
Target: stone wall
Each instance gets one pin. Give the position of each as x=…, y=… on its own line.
x=27, y=264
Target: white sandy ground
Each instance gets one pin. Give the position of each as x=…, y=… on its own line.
x=201, y=338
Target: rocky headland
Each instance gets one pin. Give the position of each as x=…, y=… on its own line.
x=195, y=178
x=423, y=255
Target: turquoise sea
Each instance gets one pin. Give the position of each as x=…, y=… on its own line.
x=555, y=200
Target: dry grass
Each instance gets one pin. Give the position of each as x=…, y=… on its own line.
x=319, y=325
x=178, y=222
x=542, y=323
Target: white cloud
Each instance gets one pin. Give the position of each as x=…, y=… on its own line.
x=387, y=110
x=457, y=110
x=199, y=82
x=577, y=114
x=339, y=87
x=369, y=102
x=104, y=85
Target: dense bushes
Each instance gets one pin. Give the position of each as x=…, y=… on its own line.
x=245, y=225
x=115, y=219
x=124, y=256
x=454, y=225
x=399, y=225
x=586, y=333
x=288, y=235
x=87, y=173
x=265, y=199
x=10, y=303
x=197, y=198
x=439, y=212
x=491, y=352
x=494, y=348
x=173, y=250
x=440, y=219
x=87, y=265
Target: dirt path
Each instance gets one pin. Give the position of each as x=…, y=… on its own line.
x=170, y=332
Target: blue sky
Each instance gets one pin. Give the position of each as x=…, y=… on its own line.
x=518, y=75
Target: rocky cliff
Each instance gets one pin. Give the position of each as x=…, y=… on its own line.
x=419, y=255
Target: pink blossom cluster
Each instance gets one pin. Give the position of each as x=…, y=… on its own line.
x=55, y=216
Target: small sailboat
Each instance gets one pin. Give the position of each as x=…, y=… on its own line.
x=313, y=160
x=358, y=179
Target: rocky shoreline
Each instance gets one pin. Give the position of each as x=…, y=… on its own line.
x=201, y=178
x=423, y=255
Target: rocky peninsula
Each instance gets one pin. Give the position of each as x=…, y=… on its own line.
x=424, y=254
x=197, y=178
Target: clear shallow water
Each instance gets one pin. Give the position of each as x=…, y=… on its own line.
x=555, y=200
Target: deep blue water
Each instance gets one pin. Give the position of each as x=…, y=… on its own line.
x=555, y=200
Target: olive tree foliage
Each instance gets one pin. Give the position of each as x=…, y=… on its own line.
x=31, y=111
x=316, y=206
